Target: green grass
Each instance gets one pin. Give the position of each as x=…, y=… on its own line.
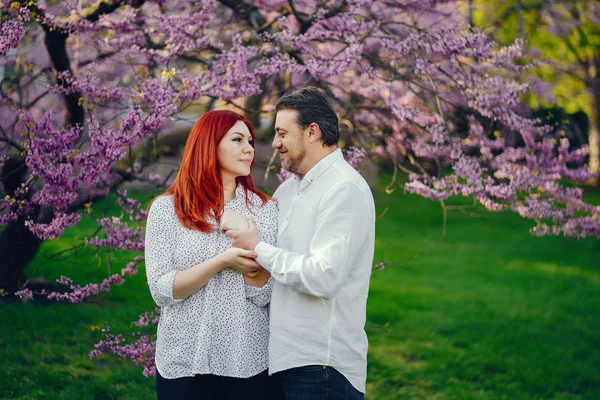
x=44, y=347
x=490, y=313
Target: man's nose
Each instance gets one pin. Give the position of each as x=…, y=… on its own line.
x=276, y=143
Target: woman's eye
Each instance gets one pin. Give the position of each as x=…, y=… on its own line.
x=237, y=139
x=251, y=142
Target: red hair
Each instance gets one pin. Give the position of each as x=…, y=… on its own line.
x=198, y=188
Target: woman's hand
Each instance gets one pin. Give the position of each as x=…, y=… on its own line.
x=252, y=274
x=239, y=259
x=232, y=220
x=260, y=279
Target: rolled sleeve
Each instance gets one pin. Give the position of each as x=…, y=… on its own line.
x=161, y=236
x=162, y=293
x=260, y=296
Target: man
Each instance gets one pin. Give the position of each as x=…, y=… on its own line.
x=322, y=265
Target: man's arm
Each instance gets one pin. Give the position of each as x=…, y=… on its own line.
x=345, y=220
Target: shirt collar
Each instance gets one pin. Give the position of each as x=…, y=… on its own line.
x=239, y=192
x=240, y=196
x=320, y=167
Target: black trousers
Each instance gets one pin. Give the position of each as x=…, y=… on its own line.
x=316, y=382
x=213, y=387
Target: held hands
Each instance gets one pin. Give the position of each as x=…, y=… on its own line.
x=241, y=260
x=245, y=238
x=231, y=220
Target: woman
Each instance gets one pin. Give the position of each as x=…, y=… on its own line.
x=213, y=333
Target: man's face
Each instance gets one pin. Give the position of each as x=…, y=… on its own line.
x=289, y=141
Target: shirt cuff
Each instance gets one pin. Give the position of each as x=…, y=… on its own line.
x=166, y=286
x=265, y=252
x=260, y=296
x=252, y=291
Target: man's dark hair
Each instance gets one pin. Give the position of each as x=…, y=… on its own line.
x=312, y=106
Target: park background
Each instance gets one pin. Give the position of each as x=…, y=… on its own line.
x=464, y=303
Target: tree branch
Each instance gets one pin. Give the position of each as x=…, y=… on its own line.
x=248, y=12
x=304, y=25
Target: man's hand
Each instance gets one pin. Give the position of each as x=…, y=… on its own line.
x=231, y=220
x=245, y=239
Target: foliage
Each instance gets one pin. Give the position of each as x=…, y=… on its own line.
x=564, y=33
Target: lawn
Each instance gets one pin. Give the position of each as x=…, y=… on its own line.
x=490, y=313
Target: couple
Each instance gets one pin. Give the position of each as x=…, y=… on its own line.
x=271, y=305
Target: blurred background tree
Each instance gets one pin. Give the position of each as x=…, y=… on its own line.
x=566, y=34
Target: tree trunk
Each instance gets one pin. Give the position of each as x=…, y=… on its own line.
x=17, y=244
x=594, y=140
x=594, y=134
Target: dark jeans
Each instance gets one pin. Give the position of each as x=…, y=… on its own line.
x=213, y=387
x=316, y=382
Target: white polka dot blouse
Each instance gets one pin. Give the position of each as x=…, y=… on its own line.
x=223, y=328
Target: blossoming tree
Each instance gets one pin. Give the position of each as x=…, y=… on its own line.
x=89, y=86
x=567, y=34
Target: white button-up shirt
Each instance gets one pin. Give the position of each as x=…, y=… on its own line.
x=321, y=266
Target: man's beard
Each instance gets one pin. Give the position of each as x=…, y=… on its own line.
x=293, y=164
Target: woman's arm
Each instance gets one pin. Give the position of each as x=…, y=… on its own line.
x=162, y=228
x=259, y=288
x=193, y=279
x=167, y=285
x=259, y=280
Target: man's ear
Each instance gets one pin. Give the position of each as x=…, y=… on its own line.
x=314, y=133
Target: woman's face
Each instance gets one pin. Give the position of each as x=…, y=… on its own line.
x=235, y=152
